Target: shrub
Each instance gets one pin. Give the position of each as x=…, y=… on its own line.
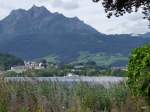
x=139, y=72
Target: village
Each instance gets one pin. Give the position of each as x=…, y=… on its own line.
x=29, y=65
x=47, y=69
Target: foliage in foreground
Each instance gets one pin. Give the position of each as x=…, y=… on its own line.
x=139, y=72
x=58, y=97
x=121, y=7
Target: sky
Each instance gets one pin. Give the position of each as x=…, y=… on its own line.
x=89, y=12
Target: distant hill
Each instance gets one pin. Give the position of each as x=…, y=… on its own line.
x=36, y=33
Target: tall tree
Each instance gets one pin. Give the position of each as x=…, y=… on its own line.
x=121, y=7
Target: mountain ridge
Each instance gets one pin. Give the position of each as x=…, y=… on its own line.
x=37, y=33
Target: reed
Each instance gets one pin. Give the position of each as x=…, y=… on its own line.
x=60, y=97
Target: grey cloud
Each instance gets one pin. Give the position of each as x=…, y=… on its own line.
x=67, y=5
x=89, y=12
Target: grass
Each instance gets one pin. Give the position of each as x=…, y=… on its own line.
x=51, y=58
x=58, y=97
x=99, y=58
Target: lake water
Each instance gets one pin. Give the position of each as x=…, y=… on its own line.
x=93, y=80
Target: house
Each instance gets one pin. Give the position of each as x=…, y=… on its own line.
x=35, y=65
x=29, y=65
x=72, y=75
x=119, y=68
x=18, y=69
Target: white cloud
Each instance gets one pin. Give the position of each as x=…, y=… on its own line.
x=91, y=13
x=67, y=5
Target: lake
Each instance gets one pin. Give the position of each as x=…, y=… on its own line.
x=103, y=80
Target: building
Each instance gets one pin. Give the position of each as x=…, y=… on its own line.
x=72, y=75
x=18, y=69
x=120, y=68
x=29, y=65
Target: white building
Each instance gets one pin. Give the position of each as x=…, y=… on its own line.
x=28, y=65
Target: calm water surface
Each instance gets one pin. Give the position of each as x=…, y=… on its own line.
x=94, y=80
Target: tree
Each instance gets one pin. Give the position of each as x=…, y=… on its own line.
x=121, y=7
x=139, y=72
x=7, y=61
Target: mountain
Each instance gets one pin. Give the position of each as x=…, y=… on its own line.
x=36, y=33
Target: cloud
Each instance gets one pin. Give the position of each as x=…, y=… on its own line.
x=65, y=4
x=89, y=12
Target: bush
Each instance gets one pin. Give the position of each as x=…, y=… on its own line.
x=139, y=72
